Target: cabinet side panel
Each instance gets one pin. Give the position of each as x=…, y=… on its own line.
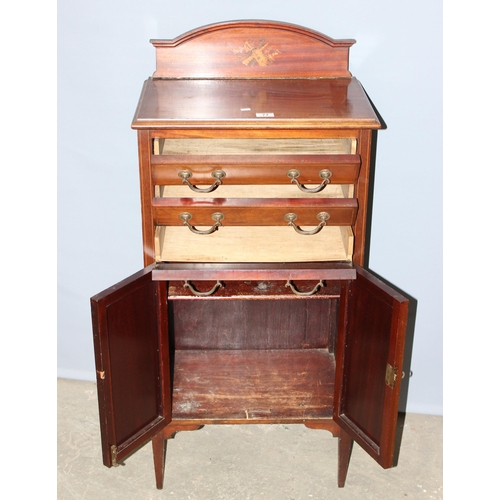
x=147, y=190
x=362, y=194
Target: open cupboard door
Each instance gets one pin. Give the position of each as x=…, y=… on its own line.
x=369, y=365
x=129, y=323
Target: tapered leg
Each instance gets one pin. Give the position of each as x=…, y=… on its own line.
x=159, y=446
x=159, y=442
x=345, y=448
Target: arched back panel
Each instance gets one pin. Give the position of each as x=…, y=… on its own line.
x=252, y=49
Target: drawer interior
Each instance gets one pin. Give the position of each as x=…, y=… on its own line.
x=253, y=244
x=256, y=191
x=253, y=146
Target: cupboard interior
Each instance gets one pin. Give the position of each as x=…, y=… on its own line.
x=275, y=362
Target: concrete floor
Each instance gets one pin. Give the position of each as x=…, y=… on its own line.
x=271, y=462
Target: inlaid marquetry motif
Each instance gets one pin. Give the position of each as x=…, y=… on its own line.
x=256, y=52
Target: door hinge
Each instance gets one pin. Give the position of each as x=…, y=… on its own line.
x=391, y=375
x=101, y=374
x=114, y=452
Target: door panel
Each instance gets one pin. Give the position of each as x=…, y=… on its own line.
x=370, y=358
x=132, y=363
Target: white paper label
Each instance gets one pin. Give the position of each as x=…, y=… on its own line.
x=264, y=115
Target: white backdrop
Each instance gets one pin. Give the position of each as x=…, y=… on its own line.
x=104, y=55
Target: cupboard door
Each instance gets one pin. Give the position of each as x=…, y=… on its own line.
x=129, y=323
x=369, y=363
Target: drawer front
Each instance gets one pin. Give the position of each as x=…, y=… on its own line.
x=203, y=171
x=255, y=212
x=312, y=271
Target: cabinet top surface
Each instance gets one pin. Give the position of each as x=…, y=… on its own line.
x=254, y=103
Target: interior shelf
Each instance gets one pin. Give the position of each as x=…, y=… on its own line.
x=253, y=384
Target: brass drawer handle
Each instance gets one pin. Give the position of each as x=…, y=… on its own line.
x=324, y=174
x=218, y=175
x=322, y=216
x=203, y=294
x=186, y=217
x=312, y=292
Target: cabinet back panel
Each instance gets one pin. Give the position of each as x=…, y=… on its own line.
x=252, y=324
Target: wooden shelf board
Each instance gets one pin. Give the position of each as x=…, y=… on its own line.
x=253, y=384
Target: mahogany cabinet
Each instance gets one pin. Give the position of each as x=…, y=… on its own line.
x=253, y=306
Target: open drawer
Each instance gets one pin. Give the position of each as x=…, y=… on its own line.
x=254, y=212
x=253, y=244
x=202, y=165
x=255, y=169
x=259, y=230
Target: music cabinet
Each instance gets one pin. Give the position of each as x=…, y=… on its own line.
x=253, y=306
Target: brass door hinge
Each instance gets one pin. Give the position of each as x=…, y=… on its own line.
x=101, y=374
x=390, y=375
x=114, y=452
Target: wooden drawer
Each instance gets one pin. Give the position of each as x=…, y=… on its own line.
x=250, y=272
x=254, y=212
x=254, y=169
x=254, y=161
x=253, y=244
